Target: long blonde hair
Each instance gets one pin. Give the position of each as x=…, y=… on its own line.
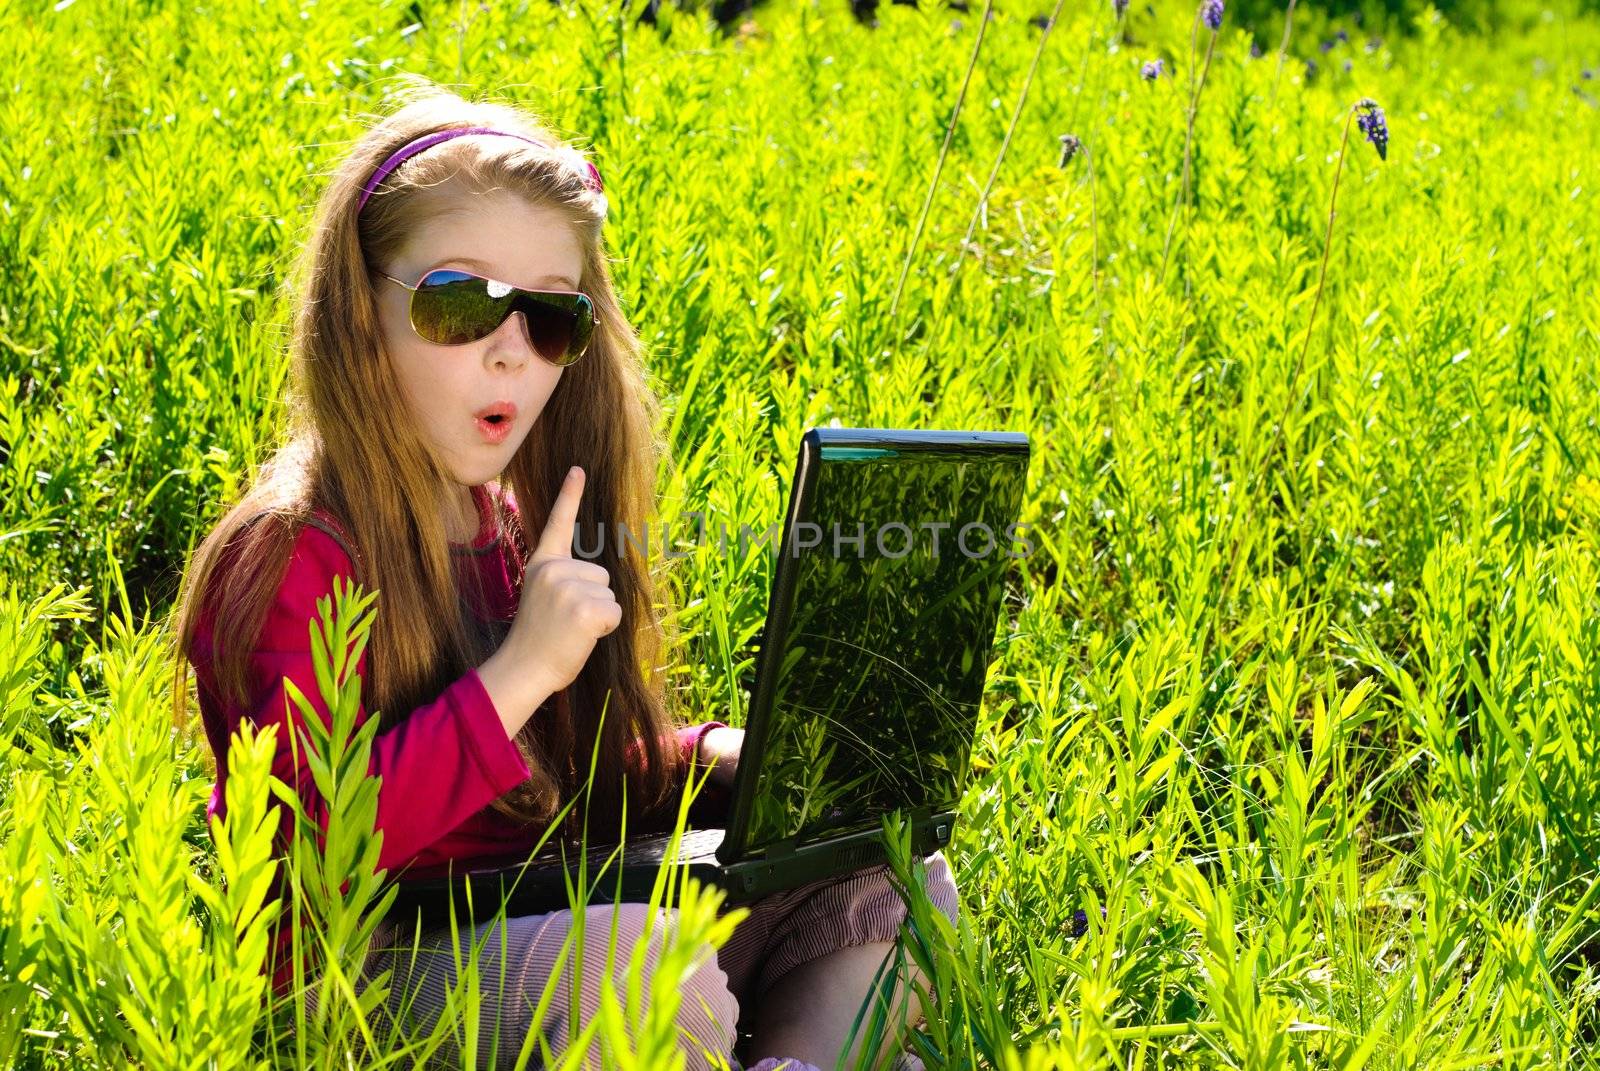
x=350, y=448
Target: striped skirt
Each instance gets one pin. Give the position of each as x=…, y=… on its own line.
x=518, y=957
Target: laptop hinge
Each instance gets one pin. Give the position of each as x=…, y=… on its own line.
x=781, y=849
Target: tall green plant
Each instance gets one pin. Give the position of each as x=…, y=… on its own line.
x=333, y=875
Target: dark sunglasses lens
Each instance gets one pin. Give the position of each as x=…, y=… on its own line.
x=451, y=308
x=559, y=325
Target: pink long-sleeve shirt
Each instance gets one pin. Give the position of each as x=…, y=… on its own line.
x=441, y=766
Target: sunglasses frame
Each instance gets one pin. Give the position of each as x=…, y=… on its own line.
x=411, y=303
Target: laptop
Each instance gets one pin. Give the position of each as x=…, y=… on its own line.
x=891, y=569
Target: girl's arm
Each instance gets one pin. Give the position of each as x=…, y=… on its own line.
x=444, y=762
x=710, y=807
x=690, y=737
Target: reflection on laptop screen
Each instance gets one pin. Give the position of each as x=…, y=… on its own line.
x=888, y=639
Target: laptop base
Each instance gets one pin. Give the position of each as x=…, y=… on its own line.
x=542, y=886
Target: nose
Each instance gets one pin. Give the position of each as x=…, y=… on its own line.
x=512, y=344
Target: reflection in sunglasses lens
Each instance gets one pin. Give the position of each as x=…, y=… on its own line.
x=453, y=308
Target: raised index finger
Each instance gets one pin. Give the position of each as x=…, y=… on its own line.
x=556, y=539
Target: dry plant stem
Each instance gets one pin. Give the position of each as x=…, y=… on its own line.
x=949, y=132
x=1294, y=376
x=1094, y=234
x=1117, y=33
x=1195, y=86
x=1188, y=204
x=1100, y=79
x=1188, y=276
x=1283, y=49
x=1094, y=208
x=1016, y=113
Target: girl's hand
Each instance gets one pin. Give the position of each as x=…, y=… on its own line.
x=566, y=605
x=721, y=747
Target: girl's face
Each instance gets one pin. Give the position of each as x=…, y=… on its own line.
x=501, y=236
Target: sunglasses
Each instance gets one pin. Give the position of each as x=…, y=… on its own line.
x=452, y=308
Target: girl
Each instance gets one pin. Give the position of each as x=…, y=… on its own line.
x=442, y=444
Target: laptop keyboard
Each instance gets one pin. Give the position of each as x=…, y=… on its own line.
x=651, y=849
x=695, y=843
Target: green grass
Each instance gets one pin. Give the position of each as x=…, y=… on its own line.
x=1335, y=801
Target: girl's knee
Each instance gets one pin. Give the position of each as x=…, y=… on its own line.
x=708, y=1013
x=941, y=886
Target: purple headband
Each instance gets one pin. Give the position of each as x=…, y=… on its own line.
x=427, y=141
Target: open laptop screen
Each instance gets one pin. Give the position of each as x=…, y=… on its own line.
x=898, y=559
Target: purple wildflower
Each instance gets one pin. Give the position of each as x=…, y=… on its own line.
x=1311, y=69
x=1211, y=14
x=1070, y=146
x=1325, y=46
x=1374, y=43
x=1080, y=923
x=1587, y=74
x=1153, y=69
x=1119, y=7
x=1255, y=49
x=1374, y=125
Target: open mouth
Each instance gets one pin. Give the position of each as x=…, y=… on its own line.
x=495, y=427
x=495, y=421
